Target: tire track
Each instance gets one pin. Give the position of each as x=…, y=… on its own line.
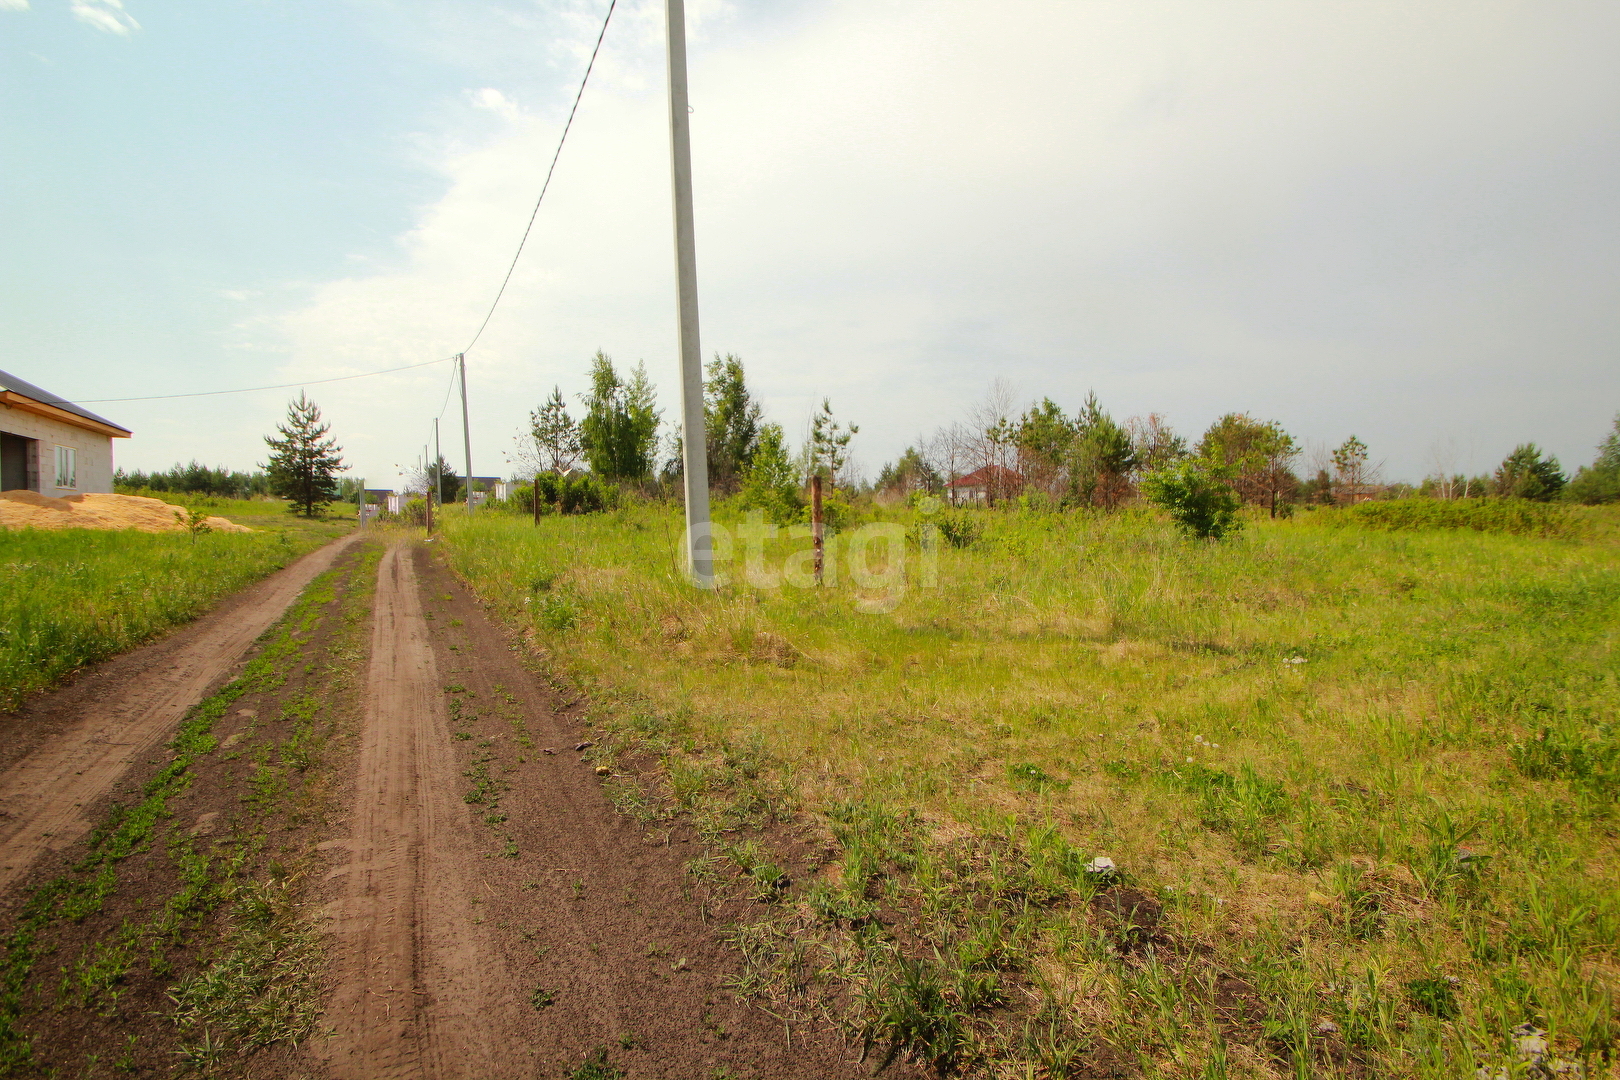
x=43, y=795
x=419, y=991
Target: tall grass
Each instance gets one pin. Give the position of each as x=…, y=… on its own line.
x=73, y=597
x=1372, y=776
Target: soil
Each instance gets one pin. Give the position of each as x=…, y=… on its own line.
x=65, y=750
x=516, y=947
x=488, y=913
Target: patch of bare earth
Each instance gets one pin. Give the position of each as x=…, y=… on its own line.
x=562, y=925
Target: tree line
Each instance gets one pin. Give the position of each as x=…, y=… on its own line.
x=1040, y=454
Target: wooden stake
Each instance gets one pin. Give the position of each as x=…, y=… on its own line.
x=817, y=528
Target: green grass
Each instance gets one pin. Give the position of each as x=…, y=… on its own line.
x=1351, y=777
x=74, y=597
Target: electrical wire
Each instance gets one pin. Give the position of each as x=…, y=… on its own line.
x=499, y=293
x=451, y=389
x=245, y=389
x=533, y=213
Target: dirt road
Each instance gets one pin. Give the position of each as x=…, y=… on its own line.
x=513, y=933
x=419, y=988
x=96, y=729
x=414, y=795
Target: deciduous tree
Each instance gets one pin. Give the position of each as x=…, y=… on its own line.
x=731, y=418
x=1258, y=456
x=619, y=435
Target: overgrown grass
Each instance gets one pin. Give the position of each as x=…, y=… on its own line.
x=1360, y=787
x=75, y=597
x=1518, y=516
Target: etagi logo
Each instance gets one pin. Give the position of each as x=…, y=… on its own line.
x=880, y=559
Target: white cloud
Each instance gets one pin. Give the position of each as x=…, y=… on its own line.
x=13, y=5
x=1377, y=219
x=108, y=15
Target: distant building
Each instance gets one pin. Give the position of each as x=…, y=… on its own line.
x=50, y=445
x=985, y=485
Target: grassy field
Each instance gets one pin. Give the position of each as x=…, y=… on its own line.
x=1358, y=788
x=73, y=597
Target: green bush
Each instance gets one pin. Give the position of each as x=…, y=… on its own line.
x=581, y=494
x=1199, y=499
x=1594, y=485
x=1518, y=516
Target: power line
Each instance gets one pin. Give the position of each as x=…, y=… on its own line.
x=533, y=213
x=249, y=389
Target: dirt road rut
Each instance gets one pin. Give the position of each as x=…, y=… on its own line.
x=419, y=990
x=495, y=917
x=135, y=702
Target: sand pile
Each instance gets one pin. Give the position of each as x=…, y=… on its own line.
x=29, y=510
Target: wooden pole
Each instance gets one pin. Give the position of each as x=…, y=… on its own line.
x=427, y=496
x=466, y=432
x=817, y=527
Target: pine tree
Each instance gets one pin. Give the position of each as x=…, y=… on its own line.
x=304, y=461
x=1526, y=474
x=556, y=436
x=829, y=444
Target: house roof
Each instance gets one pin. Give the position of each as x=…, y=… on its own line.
x=22, y=394
x=989, y=474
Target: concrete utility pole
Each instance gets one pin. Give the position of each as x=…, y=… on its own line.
x=694, y=443
x=466, y=432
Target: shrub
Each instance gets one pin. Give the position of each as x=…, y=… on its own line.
x=1518, y=516
x=582, y=494
x=1200, y=501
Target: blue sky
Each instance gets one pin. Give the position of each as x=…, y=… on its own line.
x=1391, y=220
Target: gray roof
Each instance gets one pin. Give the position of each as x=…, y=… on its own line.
x=29, y=390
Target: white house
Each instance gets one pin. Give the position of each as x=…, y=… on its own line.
x=50, y=445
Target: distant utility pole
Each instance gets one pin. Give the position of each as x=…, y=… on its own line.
x=694, y=443
x=466, y=432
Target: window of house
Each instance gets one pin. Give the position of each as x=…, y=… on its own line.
x=67, y=467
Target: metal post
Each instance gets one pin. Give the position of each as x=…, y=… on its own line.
x=362, y=504
x=694, y=443
x=466, y=432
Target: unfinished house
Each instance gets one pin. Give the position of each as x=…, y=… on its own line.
x=50, y=445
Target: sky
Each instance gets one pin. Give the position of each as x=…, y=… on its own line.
x=1396, y=221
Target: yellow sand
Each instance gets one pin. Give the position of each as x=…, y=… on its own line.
x=21, y=509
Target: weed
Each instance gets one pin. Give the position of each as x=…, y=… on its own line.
x=543, y=998
x=595, y=1067
x=1032, y=777
x=1435, y=996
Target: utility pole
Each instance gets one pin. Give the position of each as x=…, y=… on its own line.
x=466, y=432
x=694, y=443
